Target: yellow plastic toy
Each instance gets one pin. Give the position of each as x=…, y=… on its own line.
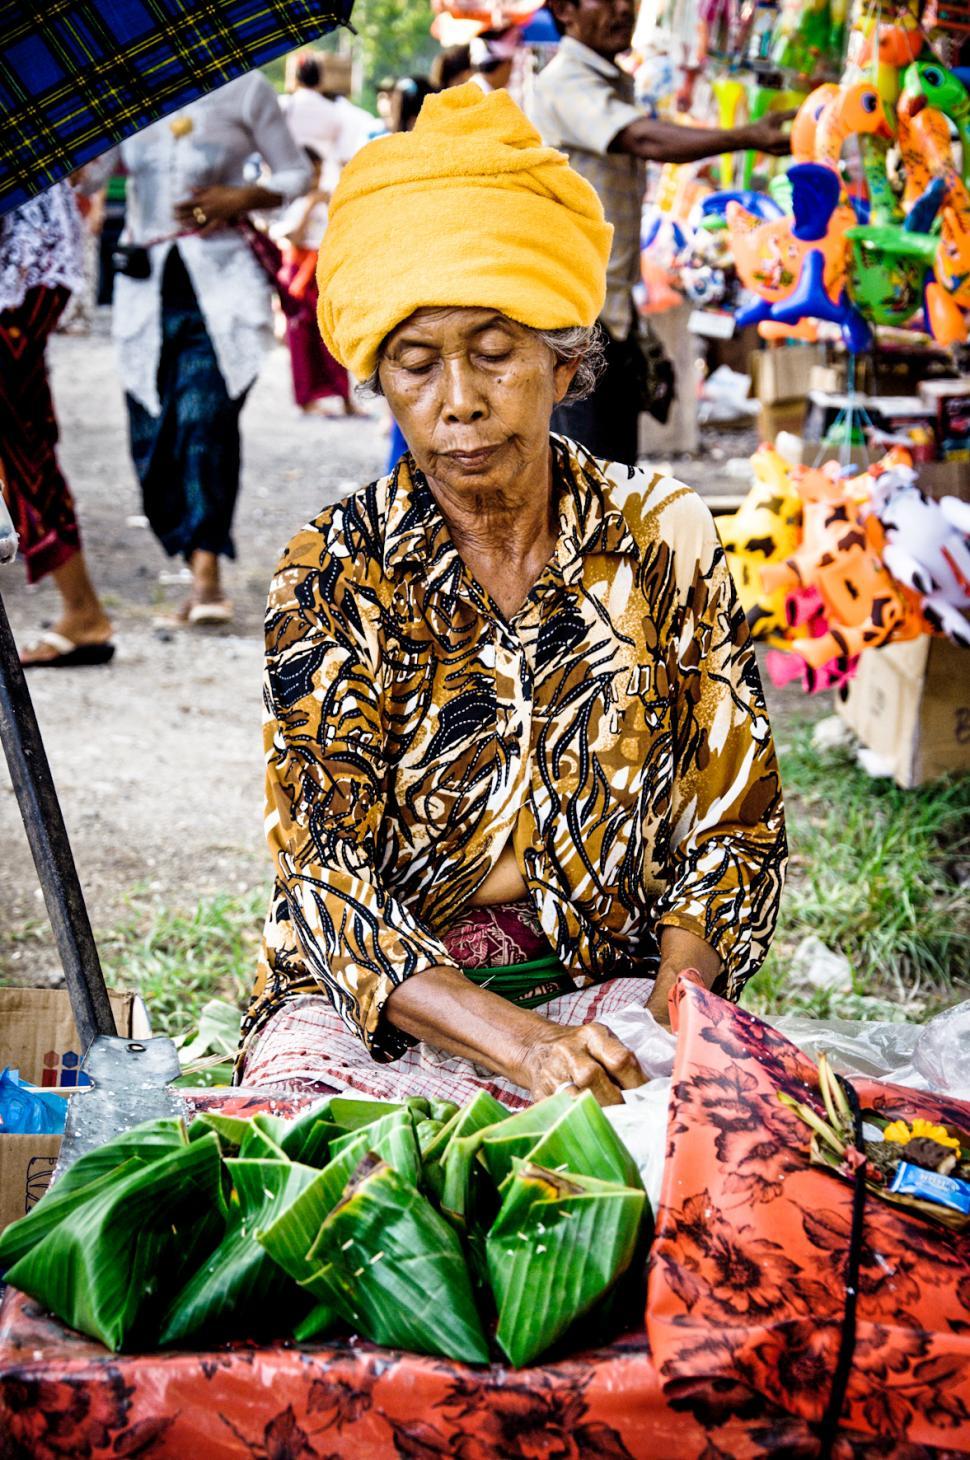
x=766, y=528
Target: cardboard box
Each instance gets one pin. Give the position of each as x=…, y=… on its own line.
x=910, y=704
x=784, y=373
x=950, y=399
x=786, y=415
x=38, y=1037
x=945, y=479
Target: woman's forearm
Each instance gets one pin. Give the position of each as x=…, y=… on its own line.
x=679, y=950
x=450, y=1012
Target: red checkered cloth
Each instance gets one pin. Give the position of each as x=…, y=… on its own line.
x=306, y=1047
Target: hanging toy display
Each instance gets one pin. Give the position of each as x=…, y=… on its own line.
x=797, y=264
x=808, y=37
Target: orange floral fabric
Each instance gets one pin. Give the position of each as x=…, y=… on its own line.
x=746, y=1293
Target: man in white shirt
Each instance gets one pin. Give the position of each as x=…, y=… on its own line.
x=584, y=106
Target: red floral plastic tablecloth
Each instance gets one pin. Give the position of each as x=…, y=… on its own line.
x=722, y=1266
x=746, y=1293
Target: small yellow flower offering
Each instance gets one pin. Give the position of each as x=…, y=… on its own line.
x=920, y=1129
x=181, y=126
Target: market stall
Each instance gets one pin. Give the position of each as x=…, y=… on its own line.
x=233, y=1274
x=754, y=1343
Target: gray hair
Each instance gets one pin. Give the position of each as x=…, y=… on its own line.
x=578, y=343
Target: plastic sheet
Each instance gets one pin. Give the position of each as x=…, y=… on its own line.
x=27, y=1111
x=942, y=1053
x=931, y=1056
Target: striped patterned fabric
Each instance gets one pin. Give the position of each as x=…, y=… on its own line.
x=78, y=76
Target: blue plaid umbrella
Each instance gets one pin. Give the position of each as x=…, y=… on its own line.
x=78, y=76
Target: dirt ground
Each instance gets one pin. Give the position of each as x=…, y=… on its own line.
x=157, y=757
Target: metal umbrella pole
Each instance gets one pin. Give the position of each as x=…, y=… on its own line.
x=129, y=1077
x=33, y=786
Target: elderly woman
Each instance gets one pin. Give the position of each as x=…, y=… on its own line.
x=519, y=770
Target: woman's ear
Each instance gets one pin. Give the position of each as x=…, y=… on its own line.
x=562, y=377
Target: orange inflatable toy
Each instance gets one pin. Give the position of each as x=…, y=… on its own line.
x=924, y=138
x=493, y=16
x=896, y=40
x=840, y=557
x=770, y=253
x=805, y=125
x=798, y=265
x=855, y=111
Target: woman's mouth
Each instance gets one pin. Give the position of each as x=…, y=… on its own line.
x=471, y=459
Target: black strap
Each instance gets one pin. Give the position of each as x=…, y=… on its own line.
x=829, y=1424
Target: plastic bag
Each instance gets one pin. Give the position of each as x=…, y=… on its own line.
x=932, y=1056
x=641, y=1123
x=25, y=1110
x=942, y=1053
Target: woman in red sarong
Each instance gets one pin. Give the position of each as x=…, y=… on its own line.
x=316, y=374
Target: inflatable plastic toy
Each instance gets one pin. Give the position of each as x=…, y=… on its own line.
x=855, y=111
x=924, y=136
x=766, y=528
x=797, y=265
x=863, y=606
x=805, y=125
x=494, y=16
x=894, y=38
x=944, y=92
x=783, y=669
x=927, y=548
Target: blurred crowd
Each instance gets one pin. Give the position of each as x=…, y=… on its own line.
x=199, y=230
x=205, y=227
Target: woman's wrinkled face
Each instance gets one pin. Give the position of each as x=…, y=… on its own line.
x=473, y=393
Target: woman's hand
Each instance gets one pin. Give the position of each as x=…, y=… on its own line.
x=443, y=1007
x=581, y=1057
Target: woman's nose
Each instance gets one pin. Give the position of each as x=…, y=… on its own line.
x=463, y=398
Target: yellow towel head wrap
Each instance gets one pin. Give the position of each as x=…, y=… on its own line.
x=468, y=210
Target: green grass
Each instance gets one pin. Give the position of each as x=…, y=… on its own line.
x=178, y=960
x=875, y=873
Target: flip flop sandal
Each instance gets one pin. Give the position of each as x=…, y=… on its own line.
x=201, y=614
x=69, y=655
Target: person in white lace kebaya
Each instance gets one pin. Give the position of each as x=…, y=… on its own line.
x=192, y=312
x=41, y=265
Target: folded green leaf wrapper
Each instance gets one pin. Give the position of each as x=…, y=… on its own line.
x=289, y=1239
x=144, y=1144
x=395, y=1270
x=558, y=1244
x=239, y=1290
x=393, y=1220
x=110, y=1265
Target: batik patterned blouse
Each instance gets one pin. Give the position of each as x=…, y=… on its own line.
x=614, y=729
